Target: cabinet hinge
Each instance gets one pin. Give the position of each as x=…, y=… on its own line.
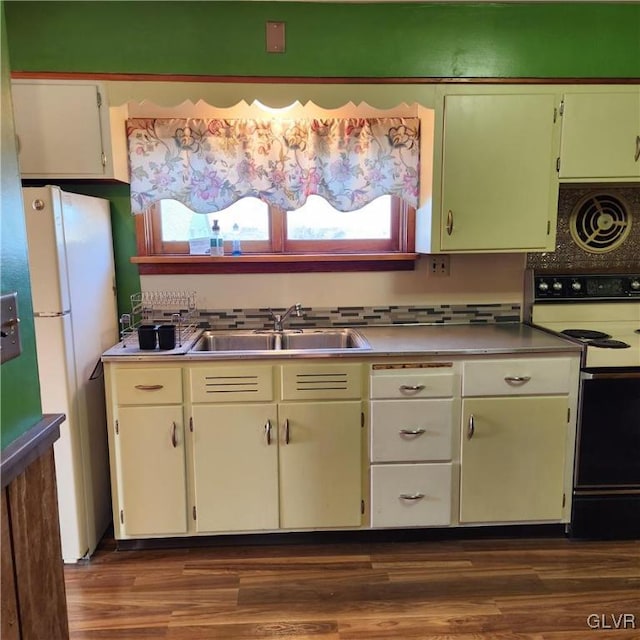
x=117, y=428
x=558, y=164
x=194, y=513
x=103, y=159
x=362, y=507
x=362, y=419
x=98, y=98
x=561, y=107
x=191, y=424
x=121, y=516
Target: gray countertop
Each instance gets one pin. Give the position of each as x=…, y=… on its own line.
x=398, y=340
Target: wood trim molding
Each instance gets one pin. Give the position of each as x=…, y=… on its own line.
x=286, y=263
x=172, y=77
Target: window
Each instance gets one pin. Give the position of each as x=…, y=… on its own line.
x=382, y=226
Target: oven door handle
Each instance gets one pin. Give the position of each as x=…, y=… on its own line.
x=613, y=375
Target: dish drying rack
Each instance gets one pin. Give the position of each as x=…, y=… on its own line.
x=159, y=307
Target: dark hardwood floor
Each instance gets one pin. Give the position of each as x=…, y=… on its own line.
x=503, y=589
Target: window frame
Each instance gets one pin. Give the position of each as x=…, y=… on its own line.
x=280, y=255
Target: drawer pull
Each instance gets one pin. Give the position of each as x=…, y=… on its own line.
x=471, y=427
x=411, y=387
x=412, y=496
x=174, y=439
x=411, y=432
x=517, y=379
x=267, y=431
x=149, y=387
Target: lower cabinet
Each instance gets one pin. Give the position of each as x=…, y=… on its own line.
x=320, y=467
x=513, y=459
x=152, y=475
x=235, y=467
x=292, y=460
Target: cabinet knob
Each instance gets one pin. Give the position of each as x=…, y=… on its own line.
x=286, y=431
x=471, y=427
x=149, y=387
x=636, y=157
x=174, y=438
x=267, y=431
x=412, y=496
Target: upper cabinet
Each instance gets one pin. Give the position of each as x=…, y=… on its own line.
x=67, y=130
x=601, y=136
x=495, y=176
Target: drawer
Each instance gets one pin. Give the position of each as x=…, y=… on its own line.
x=148, y=386
x=520, y=376
x=231, y=384
x=411, y=431
x=411, y=495
x=413, y=383
x=337, y=381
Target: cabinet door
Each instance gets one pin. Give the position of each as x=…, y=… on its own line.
x=59, y=129
x=151, y=470
x=499, y=180
x=600, y=136
x=512, y=466
x=235, y=466
x=320, y=464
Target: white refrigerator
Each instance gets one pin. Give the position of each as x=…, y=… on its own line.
x=74, y=299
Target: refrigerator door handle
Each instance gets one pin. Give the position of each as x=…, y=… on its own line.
x=52, y=314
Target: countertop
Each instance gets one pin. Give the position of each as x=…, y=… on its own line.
x=397, y=340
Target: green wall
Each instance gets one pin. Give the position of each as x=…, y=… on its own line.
x=560, y=39
x=20, y=405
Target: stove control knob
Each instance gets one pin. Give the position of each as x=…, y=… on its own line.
x=543, y=286
x=635, y=285
x=557, y=286
x=576, y=286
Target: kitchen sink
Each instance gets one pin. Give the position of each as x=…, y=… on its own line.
x=213, y=341
x=290, y=340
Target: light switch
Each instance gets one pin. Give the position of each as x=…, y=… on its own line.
x=275, y=37
x=10, y=346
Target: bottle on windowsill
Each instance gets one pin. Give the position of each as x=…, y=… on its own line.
x=217, y=241
x=236, y=247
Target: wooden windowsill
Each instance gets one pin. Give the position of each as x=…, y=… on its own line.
x=271, y=263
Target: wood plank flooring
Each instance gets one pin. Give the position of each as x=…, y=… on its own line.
x=502, y=589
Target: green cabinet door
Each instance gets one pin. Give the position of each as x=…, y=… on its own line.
x=499, y=178
x=513, y=459
x=601, y=136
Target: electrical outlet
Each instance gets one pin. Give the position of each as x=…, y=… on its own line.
x=439, y=266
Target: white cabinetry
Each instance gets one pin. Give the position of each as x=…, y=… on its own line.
x=601, y=136
x=65, y=129
x=413, y=411
x=147, y=451
x=276, y=447
x=518, y=423
x=495, y=176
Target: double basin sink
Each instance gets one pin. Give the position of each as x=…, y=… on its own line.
x=307, y=340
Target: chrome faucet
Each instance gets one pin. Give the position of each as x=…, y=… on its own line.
x=279, y=319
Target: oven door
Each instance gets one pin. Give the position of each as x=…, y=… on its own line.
x=606, y=497
x=609, y=433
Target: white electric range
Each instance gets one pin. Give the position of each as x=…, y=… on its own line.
x=603, y=313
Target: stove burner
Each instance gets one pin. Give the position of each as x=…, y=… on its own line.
x=605, y=343
x=585, y=334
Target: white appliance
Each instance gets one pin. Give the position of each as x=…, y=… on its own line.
x=73, y=287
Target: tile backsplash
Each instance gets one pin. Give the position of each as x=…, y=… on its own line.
x=360, y=316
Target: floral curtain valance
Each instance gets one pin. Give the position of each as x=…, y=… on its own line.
x=209, y=164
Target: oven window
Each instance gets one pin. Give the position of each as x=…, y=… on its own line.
x=609, y=435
